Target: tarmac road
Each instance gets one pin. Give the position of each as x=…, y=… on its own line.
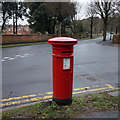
x=27, y=70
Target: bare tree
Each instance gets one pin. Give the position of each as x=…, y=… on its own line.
x=75, y=18
x=104, y=8
x=6, y=13
x=117, y=5
x=116, y=17
x=91, y=13
x=18, y=10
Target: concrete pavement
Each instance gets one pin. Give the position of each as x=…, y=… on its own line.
x=114, y=115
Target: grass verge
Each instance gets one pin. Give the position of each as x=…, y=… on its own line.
x=22, y=44
x=81, y=104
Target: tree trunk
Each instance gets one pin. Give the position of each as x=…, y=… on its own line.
x=73, y=28
x=16, y=24
x=91, y=27
x=59, y=29
x=3, y=25
x=16, y=18
x=53, y=29
x=13, y=24
x=116, y=31
x=104, y=32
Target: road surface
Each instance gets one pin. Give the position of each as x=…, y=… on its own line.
x=27, y=70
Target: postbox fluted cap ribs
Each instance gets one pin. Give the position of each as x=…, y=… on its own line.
x=62, y=41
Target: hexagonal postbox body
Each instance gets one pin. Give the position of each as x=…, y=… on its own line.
x=62, y=52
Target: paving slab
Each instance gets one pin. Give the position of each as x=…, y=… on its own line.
x=104, y=114
x=116, y=93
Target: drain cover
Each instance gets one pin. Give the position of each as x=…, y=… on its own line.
x=91, y=78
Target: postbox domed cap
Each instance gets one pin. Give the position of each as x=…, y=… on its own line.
x=62, y=41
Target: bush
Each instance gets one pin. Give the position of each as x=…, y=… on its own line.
x=116, y=39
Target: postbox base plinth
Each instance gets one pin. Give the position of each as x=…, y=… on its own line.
x=63, y=101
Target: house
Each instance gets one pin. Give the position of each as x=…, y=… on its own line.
x=21, y=29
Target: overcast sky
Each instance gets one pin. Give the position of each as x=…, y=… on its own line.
x=80, y=15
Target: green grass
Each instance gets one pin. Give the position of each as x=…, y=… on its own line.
x=81, y=104
x=115, y=90
x=27, y=111
x=22, y=44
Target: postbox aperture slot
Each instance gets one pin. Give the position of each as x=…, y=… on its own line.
x=66, y=51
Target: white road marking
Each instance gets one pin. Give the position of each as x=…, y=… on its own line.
x=6, y=57
x=22, y=56
x=26, y=54
x=17, y=55
x=11, y=58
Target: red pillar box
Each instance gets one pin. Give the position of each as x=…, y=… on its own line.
x=62, y=52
